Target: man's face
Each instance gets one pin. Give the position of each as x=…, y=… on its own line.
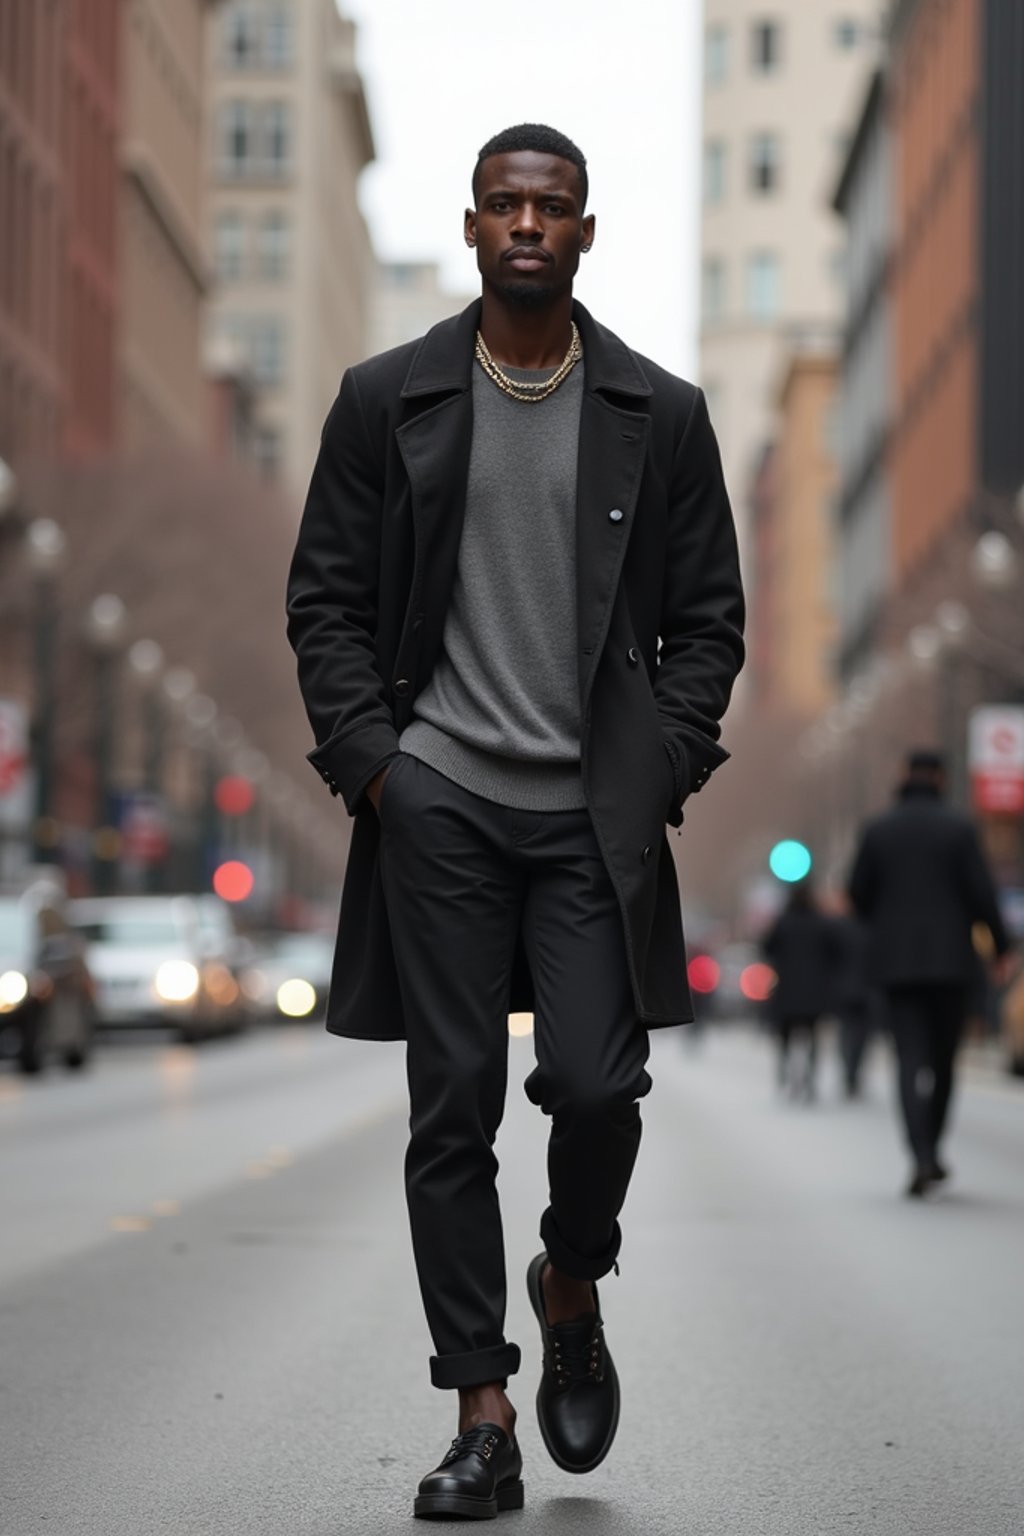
x=528, y=227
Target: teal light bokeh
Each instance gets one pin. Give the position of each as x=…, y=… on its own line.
x=790, y=861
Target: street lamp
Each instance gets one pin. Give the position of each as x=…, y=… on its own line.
x=45, y=543
x=202, y=716
x=146, y=660
x=924, y=644
x=994, y=560
x=105, y=625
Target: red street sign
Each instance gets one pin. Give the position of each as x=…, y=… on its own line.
x=1000, y=793
x=996, y=755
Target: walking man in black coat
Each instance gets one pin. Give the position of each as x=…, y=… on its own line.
x=517, y=612
x=920, y=883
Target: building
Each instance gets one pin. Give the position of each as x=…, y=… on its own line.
x=864, y=198
x=957, y=288
x=408, y=300
x=802, y=582
x=33, y=218
x=762, y=629
x=290, y=135
x=90, y=142
x=781, y=80
x=163, y=272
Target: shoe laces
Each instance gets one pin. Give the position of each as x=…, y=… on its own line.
x=577, y=1353
x=480, y=1439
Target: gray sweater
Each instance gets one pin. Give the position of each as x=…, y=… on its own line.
x=500, y=716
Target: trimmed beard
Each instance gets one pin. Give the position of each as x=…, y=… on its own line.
x=530, y=295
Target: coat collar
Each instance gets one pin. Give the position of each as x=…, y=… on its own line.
x=443, y=361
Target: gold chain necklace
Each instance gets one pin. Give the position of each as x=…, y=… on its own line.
x=530, y=394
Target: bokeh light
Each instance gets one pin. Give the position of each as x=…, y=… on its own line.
x=757, y=982
x=233, y=880
x=704, y=974
x=790, y=861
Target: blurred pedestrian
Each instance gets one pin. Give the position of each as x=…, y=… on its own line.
x=919, y=882
x=854, y=1000
x=802, y=950
x=516, y=605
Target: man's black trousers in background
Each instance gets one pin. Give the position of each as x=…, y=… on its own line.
x=463, y=878
x=927, y=1020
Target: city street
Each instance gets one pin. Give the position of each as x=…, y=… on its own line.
x=210, y=1322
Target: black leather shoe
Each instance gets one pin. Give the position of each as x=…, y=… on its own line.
x=578, y=1396
x=479, y=1477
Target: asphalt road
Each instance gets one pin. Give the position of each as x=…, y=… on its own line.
x=208, y=1320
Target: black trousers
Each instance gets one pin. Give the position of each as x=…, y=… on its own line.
x=463, y=879
x=927, y=1021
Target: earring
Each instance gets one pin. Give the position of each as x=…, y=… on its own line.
x=585, y=247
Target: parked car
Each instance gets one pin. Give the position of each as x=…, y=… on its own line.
x=47, y=1005
x=160, y=960
x=289, y=975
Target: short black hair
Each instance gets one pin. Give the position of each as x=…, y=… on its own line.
x=925, y=760
x=542, y=140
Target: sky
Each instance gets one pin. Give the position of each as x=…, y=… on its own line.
x=622, y=80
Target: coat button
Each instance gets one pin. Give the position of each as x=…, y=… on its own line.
x=633, y=656
x=401, y=686
x=616, y=515
x=647, y=853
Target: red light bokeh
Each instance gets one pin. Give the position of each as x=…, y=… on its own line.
x=233, y=881
x=757, y=982
x=233, y=795
x=704, y=974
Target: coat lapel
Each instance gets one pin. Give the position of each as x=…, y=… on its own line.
x=435, y=449
x=612, y=454
x=435, y=445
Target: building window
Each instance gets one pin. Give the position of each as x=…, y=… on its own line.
x=237, y=139
x=714, y=171
x=277, y=138
x=846, y=32
x=765, y=163
x=277, y=37
x=763, y=285
x=716, y=55
x=229, y=246
x=241, y=36
x=712, y=290
x=765, y=47
x=266, y=451
x=266, y=348
x=274, y=246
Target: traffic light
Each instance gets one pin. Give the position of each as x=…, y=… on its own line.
x=790, y=861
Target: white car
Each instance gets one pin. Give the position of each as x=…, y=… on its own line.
x=160, y=960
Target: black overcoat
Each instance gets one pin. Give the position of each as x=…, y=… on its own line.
x=368, y=594
x=919, y=883
x=804, y=949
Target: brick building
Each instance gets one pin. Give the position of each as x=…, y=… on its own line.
x=33, y=216
x=90, y=137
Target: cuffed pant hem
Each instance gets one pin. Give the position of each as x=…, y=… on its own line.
x=576, y=1265
x=476, y=1367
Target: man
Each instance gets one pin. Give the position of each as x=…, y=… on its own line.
x=517, y=612
x=920, y=884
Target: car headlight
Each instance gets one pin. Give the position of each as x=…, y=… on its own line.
x=177, y=981
x=296, y=998
x=13, y=990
